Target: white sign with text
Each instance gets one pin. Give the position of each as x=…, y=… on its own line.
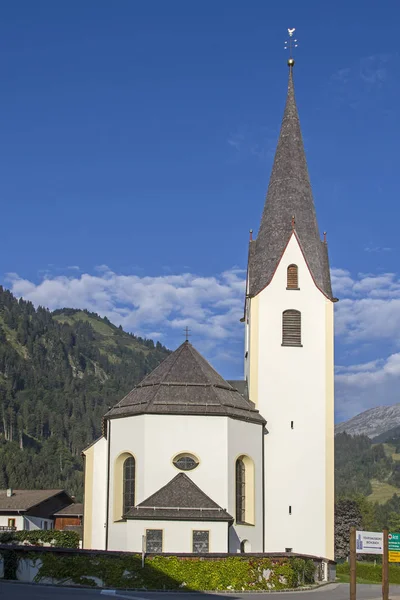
x=369, y=542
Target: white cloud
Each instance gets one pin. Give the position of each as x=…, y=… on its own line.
x=160, y=307
x=368, y=317
x=377, y=249
x=155, y=307
x=367, y=385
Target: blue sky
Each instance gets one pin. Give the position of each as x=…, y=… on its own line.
x=137, y=139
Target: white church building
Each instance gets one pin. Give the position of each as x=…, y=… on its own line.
x=189, y=462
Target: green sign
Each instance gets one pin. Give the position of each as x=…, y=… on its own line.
x=394, y=542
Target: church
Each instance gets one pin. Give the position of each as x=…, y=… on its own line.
x=189, y=462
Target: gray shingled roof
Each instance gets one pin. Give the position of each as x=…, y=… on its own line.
x=180, y=499
x=289, y=194
x=185, y=383
x=241, y=386
x=73, y=510
x=23, y=500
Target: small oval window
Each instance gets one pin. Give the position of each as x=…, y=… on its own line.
x=185, y=462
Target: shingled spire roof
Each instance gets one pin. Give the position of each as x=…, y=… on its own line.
x=185, y=383
x=289, y=207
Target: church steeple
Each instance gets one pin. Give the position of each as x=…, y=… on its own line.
x=289, y=208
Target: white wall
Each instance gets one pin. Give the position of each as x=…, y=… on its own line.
x=95, y=498
x=291, y=384
x=27, y=523
x=34, y=523
x=19, y=520
x=154, y=440
x=177, y=535
x=245, y=438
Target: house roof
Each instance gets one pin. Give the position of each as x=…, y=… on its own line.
x=289, y=207
x=23, y=500
x=180, y=499
x=185, y=383
x=73, y=510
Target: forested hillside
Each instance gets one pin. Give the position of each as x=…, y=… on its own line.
x=367, y=483
x=59, y=373
x=366, y=468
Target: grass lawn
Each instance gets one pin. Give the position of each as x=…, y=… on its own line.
x=367, y=573
x=342, y=578
x=381, y=491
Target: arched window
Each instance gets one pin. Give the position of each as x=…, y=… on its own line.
x=245, y=546
x=240, y=491
x=244, y=490
x=292, y=277
x=129, y=484
x=291, y=328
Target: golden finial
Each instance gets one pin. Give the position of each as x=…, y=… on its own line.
x=290, y=44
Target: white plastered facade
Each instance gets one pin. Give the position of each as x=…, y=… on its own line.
x=293, y=389
x=154, y=441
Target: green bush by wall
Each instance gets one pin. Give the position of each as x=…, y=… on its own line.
x=38, y=537
x=370, y=572
x=160, y=572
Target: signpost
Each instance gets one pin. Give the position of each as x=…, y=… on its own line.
x=372, y=542
x=385, y=566
x=353, y=563
x=394, y=547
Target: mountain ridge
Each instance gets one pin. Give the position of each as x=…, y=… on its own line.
x=372, y=422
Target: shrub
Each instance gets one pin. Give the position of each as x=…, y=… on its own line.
x=38, y=537
x=171, y=573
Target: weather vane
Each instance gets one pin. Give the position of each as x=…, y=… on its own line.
x=290, y=44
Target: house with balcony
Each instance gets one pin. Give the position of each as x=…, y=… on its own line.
x=31, y=509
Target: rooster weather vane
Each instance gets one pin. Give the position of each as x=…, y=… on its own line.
x=290, y=45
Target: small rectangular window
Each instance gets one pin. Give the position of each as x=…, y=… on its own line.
x=201, y=540
x=292, y=424
x=290, y=510
x=154, y=540
x=11, y=522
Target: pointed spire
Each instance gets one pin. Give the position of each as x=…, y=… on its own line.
x=289, y=207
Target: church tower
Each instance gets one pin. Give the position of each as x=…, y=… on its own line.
x=289, y=353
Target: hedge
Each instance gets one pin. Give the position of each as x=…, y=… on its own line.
x=370, y=572
x=39, y=537
x=169, y=573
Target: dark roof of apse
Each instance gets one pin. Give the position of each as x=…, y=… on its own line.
x=289, y=195
x=186, y=384
x=180, y=499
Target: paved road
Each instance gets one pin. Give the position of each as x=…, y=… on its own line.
x=16, y=591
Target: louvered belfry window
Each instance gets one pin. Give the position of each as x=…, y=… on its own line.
x=291, y=328
x=292, y=277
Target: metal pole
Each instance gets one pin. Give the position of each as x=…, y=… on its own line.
x=143, y=549
x=353, y=564
x=385, y=565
